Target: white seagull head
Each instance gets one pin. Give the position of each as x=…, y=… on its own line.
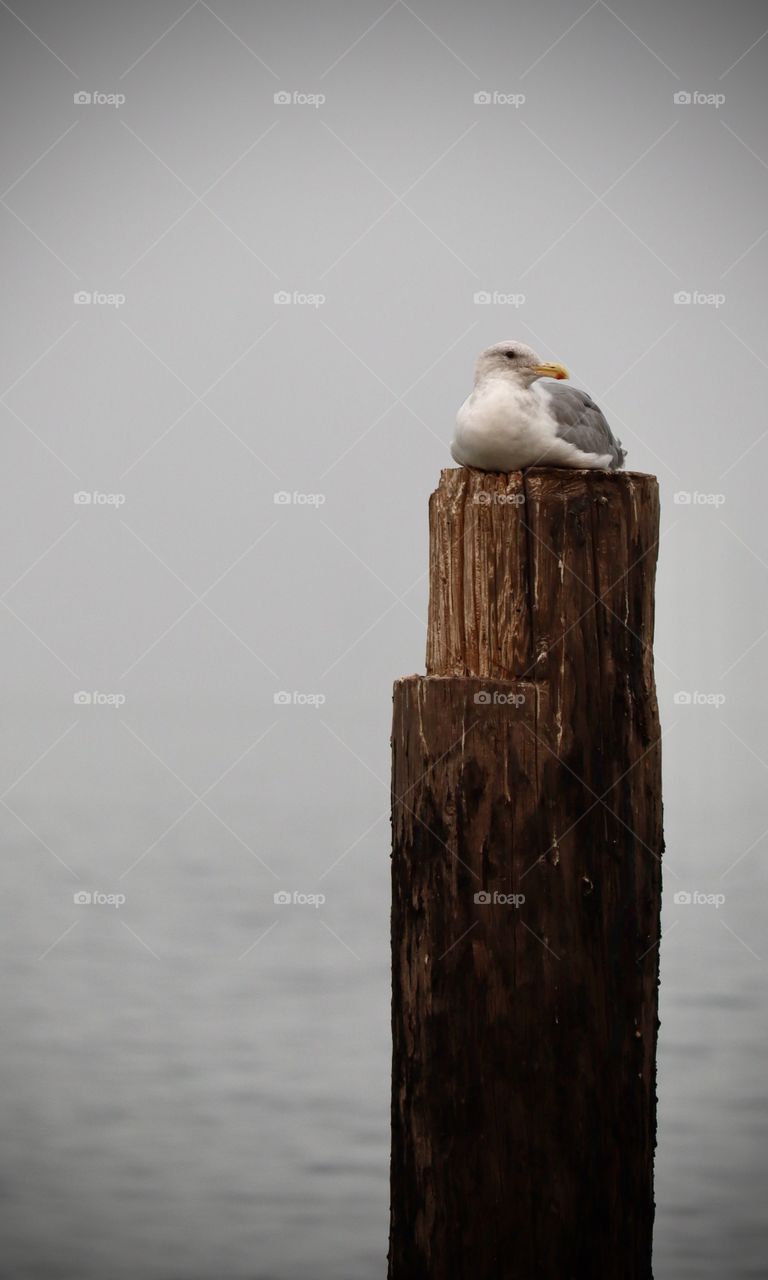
x=515, y=362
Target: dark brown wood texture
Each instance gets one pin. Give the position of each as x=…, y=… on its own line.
x=527, y=764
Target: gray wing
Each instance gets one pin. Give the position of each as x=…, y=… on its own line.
x=583, y=424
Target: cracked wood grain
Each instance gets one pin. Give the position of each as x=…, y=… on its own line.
x=526, y=766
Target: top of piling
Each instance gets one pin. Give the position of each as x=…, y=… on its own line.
x=518, y=559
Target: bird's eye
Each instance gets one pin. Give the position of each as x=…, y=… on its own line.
x=511, y=355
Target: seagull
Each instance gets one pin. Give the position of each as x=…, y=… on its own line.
x=511, y=420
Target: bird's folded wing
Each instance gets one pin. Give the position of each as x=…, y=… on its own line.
x=581, y=423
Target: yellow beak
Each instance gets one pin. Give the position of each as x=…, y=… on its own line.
x=551, y=371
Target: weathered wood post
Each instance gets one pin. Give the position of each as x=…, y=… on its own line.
x=526, y=885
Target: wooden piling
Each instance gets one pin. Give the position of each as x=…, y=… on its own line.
x=526, y=882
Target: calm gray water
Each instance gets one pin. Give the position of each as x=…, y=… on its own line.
x=200, y=1112
x=195, y=1115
